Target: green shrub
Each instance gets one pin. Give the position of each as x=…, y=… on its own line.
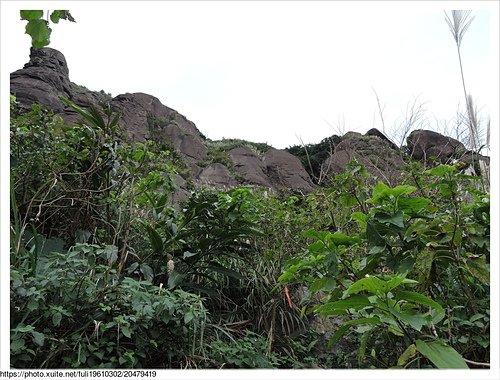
x=75, y=311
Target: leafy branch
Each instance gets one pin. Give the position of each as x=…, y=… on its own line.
x=38, y=27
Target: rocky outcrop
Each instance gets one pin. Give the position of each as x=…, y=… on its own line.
x=286, y=172
x=217, y=175
x=376, y=152
x=427, y=145
x=249, y=166
x=143, y=117
x=44, y=79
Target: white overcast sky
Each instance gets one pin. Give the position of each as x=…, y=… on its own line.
x=274, y=71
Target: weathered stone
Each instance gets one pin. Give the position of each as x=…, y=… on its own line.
x=143, y=117
x=44, y=79
x=285, y=171
x=425, y=145
x=184, y=141
x=249, y=166
x=378, y=155
x=217, y=175
x=375, y=132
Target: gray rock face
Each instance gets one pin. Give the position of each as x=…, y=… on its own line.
x=424, y=145
x=378, y=154
x=249, y=166
x=286, y=172
x=44, y=79
x=143, y=117
x=217, y=175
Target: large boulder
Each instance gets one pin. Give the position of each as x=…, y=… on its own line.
x=374, y=151
x=427, y=145
x=249, y=166
x=217, y=175
x=44, y=79
x=285, y=171
x=145, y=117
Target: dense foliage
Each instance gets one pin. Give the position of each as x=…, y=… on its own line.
x=312, y=156
x=106, y=272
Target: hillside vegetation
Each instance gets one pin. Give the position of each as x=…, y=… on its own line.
x=107, y=273
x=382, y=262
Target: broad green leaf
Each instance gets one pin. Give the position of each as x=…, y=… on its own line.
x=475, y=317
x=360, y=217
x=342, y=329
x=371, y=284
x=325, y=284
x=373, y=236
x=441, y=355
x=422, y=300
x=376, y=249
x=442, y=170
x=155, y=239
x=39, y=32
x=126, y=331
x=23, y=328
x=31, y=15
x=416, y=321
x=407, y=355
x=319, y=235
x=413, y=205
x=57, y=15
x=396, y=219
x=356, y=302
x=341, y=239
x=17, y=344
x=402, y=190
x=379, y=192
x=375, y=285
x=56, y=319
x=38, y=338
x=423, y=265
x=188, y=254
x=174, y=279
x=188, y=317
x=111, y=253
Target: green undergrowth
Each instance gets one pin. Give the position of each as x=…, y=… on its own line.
x=106, y=273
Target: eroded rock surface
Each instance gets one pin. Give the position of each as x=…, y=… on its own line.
x=375, y=151
x=46, y=77
x=217, y=175
x=425, y=145
x=249, y=166
x=285, y=171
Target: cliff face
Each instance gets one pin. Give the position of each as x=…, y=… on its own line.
x=46, y=77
